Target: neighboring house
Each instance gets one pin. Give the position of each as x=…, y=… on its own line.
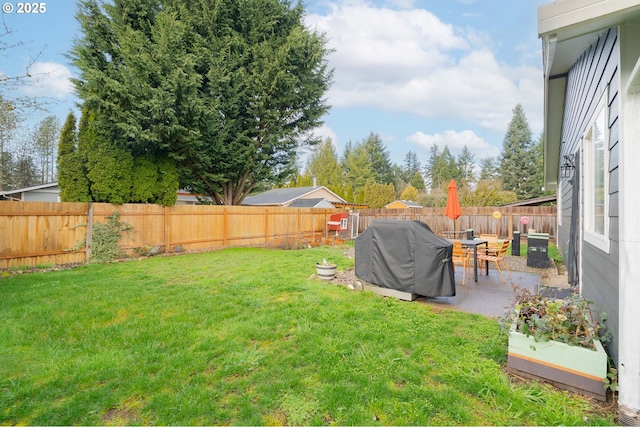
x=288, y=196
x=402, y=204
x=37, y=193
x=538, y=201
x=591, y=51
x=51, y=193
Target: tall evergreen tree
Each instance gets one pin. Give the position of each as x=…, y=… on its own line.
x=398, y=178
x=348, y=147
x=323, y=164
x=226, y=90
x=430, y=166
x=411, y=166
x=417, y=181
x=466, y=165
x=377, y=195
x=109, y=165
x=358, y=170
x=489, y=168
x=444, y=169
x=379, y=158
x=537, y=178
x=518, y=158
x=72, y=178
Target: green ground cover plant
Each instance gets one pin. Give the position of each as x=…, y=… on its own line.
x=245, y=336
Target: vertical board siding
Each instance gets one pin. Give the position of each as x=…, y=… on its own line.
x=595, y=72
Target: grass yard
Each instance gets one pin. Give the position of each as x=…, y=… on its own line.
x=243, y=336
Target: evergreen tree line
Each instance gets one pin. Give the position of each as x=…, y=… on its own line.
x=364, y=174
x=219, y=100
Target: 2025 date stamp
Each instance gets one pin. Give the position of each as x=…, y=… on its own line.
x=32, y=8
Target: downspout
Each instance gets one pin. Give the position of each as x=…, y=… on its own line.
x=629, y=267
x=573, y=251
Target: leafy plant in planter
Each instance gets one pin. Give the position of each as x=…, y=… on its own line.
x=566, y=320
x=557, y=341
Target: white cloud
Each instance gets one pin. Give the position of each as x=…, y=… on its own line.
x=403, y=4
x=325, y=132
x=455, y=141
x=49, y=79
x=410, y=61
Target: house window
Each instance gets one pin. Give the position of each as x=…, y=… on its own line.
x=596, y=179
x=343, y=224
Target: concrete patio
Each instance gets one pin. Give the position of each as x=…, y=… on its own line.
x=490, y=297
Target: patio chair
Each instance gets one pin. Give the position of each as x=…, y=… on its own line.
x=460, y=257
x=491, y=238
x=493, y=244
x=497, y=258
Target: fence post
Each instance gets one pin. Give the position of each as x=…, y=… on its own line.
x=225, y=225
x=299, y=226
x=89, y=235
x=167, y=230
x=510, y=226
x=266, y=226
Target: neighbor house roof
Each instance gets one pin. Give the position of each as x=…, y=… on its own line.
x=407, y=203
x=534, y=202
x=32, y=188
x=52, y=189
x=311, y=203
x=50, y=192
x=286, y=196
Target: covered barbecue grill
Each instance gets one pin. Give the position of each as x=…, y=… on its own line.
x=405, y=256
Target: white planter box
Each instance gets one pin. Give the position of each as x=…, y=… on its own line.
x=569, y=367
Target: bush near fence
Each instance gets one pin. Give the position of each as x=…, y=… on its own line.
x=50, y=233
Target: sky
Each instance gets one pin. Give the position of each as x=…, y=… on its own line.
x=415, y=72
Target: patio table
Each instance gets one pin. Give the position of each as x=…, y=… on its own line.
x=474, y=244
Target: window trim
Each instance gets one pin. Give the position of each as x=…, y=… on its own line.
x=559, y=194
x=600, y=241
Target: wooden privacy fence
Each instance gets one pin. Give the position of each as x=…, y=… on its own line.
x=543, y=219
x=36, y=233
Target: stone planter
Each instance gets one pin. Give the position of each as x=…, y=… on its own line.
x=573, y=368
x=326, y=272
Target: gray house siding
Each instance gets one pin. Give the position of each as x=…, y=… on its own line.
x=587, y=81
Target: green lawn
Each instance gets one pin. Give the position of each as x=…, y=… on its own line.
x=243, y=336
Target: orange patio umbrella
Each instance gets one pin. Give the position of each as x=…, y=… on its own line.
x=452, y=210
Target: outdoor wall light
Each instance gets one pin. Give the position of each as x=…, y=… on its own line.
x=567, y=166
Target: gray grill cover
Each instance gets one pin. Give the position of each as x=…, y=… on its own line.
x=406, y=256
